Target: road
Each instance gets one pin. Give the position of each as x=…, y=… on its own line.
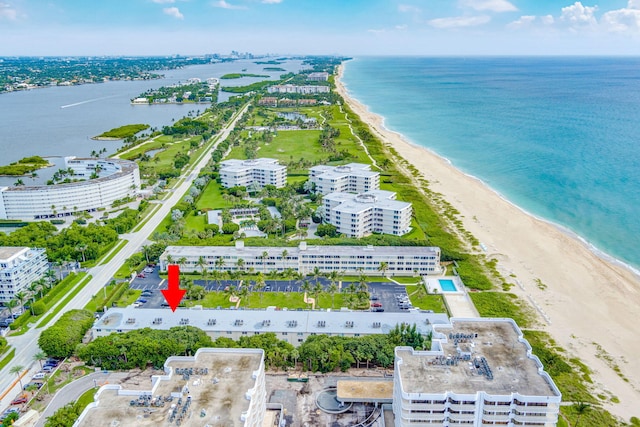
x=27, y=345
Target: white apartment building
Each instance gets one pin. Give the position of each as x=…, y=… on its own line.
x=19, y=268
x=350, y=178
x=292, y=326
x=480, y=372
x=318, y=77
x=303, y=89
x=224, y=387
x=260, y=172
x=374, y=211
x=348, y=260
x=116, y=179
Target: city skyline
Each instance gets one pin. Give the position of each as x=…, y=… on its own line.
x=357, y=27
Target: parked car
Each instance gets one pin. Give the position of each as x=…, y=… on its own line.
x=6, y=413
x=39, y=376
x=32, y=383
x=48, y=368
x=19, y=400
x=377, y=309
x=142, y=300
x=141, y=275
x=376, y=304
x=146, y=293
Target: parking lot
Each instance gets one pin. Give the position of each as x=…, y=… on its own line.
x=390, y=296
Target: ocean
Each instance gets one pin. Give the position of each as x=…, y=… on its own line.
x=558, y=137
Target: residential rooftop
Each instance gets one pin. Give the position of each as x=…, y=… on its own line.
x=510, y=366
x=219, y=391
x=7, y=252
x=270, y=320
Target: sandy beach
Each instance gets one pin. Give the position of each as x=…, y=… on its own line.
x=588, y=305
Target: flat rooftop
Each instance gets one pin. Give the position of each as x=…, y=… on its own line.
x=269, y=320
x=365, y=391
x=7, y=252
x=495, y=340
x=220, y=392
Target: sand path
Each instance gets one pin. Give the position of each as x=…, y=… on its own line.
x=589, y=306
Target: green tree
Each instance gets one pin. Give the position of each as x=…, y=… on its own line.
x=17, y=369
x=580, y=409
x=39, y=357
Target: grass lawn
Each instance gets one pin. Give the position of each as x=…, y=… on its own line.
x=407, y=280
x=8, y=358
x=211, y=197
x=420, y=298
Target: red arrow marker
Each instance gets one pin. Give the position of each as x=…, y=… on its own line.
x=173, y=294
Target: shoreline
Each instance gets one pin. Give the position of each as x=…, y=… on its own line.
x=577, y=276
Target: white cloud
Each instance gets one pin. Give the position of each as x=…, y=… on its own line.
x=459, y=21
x=579, y=15
x=173, y=11
x=8, y=12
x=523, y=22
x=401, y=27
x=623, y=20
x=224, y=5
x=407, y=8
x=376, y=31
x=271, y=1
x=163, y=1
x=547, y=20
x=489, y=5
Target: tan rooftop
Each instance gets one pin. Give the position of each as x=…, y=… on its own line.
x=365, y=391
x=7, y=252
x=220, y=392
x=511, y=370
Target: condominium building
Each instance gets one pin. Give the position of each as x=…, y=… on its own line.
x=293, y=326
x=19, y=268
x=399, y=260
x=256, y=172
x=215, y=387
x=374, y=211
x=103, y=182
x=318, y=77
x=479, y=372
x=304, y=89
x=350, y=178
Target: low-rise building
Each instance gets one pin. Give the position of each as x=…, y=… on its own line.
x=253, y=172
x=216, y=387
x=303, y=89
x=19, y=268
x=479, y=372
x=399, y=260
x=292, y=326
x=374, y=211
x=103, y=182
x=350, y=178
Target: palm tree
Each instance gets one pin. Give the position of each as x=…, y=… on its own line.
x=331, y=290
x=11, y=305
x=240, y=264
x=260, y=285
x=306, y=287
x=317, y=290
x=316, y=274
x=384, y=266
x=220, y=264
x=264, y=257
x=18, y=183
x=39, y=357
x=50, y=275
x=18, y=370
x=581, y=408
x=285, y=253
x=81, y=248
x=145, y=250
x=20, y=296
x=182, y=262
x=202, y=264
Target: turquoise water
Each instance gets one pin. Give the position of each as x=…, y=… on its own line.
x=558, y=137
x=447, y=285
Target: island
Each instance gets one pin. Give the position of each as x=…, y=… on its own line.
x=24, y=166
x=240, y=75
x=194, y=91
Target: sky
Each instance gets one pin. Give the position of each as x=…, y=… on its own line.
x=343, y=27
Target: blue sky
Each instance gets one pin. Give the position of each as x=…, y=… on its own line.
x=348, y=27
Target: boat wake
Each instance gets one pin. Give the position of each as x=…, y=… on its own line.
x=87, y=101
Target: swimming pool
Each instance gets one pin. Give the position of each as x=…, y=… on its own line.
x=447, y=285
